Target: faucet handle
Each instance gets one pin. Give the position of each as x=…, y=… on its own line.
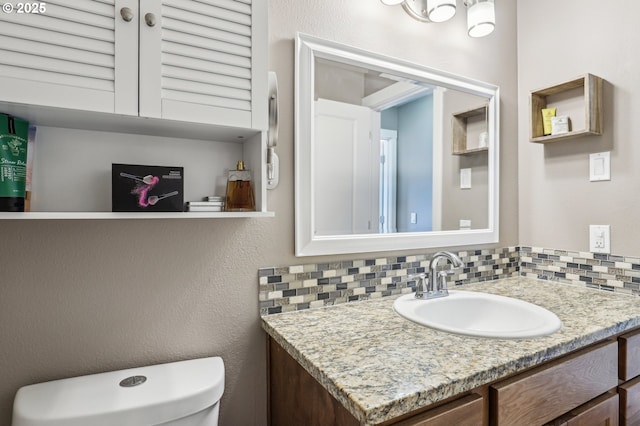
x=421, y=287
x=442, y=281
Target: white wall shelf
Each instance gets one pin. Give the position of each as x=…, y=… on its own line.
x=135, y=215
x=72, y=171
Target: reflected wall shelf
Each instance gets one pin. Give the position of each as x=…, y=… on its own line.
x=586, y=90
x=462, y=132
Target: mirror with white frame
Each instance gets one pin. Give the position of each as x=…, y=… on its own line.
x=390, y=155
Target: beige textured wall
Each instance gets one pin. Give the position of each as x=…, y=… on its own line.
x=558, y=41
x=79, y=297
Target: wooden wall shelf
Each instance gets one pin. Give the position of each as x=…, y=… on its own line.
x=591, y=93
x=459, y=130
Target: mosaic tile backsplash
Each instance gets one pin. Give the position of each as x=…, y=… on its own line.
x=285, y=289
x=595, y=270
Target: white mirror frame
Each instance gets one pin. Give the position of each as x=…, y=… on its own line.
x=308, y=48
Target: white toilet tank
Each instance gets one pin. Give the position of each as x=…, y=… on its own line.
x=184, y=393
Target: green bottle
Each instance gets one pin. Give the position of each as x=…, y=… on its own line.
x=14, y=134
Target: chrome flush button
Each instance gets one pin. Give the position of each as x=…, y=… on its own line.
x=132, y=381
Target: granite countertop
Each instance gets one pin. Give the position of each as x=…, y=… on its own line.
x=380, y=365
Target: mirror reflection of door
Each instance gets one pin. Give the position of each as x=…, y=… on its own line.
x=346, y=185
x=358, y=191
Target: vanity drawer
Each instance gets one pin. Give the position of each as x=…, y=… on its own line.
x=630, y=402
x=603, y=410
x=629, y=358
x=466, y=411
x=545, y=393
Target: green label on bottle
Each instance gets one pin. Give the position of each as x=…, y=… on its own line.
x=13, y=156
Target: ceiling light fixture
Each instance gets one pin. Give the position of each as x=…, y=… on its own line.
x=481, y=17
x=480, y=13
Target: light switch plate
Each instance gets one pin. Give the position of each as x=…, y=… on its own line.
x=465, y=178
x=600, y=166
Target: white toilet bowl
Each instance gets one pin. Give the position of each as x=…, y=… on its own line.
x=184, y=393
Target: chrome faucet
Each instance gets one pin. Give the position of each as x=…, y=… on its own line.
x=437, y=286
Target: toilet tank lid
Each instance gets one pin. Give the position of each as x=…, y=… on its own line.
x=171, y=391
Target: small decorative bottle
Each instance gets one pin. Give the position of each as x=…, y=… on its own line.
x=240, y=190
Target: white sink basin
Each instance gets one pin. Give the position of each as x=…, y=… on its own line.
x=479, y=314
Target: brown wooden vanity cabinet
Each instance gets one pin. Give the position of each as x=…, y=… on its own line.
x=597, y=385
x=296, y=398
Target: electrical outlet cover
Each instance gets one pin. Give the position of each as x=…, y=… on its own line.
x=600, y=238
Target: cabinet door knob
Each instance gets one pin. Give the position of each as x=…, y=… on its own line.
x=126, y=13
x=150, y=19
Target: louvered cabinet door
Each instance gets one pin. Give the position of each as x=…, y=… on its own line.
x=77, y=54
x=204, y=61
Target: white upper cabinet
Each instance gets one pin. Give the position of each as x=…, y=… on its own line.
x=165, y=82
x=206, y=62
x=65, y=57
x=201, y=61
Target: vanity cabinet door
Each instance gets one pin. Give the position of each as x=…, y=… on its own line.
x=204, y=61
x=466, y=411
x=76, y=54
x=549, y=391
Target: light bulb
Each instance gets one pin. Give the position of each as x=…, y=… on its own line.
x=441, y=10
x=481, y=17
